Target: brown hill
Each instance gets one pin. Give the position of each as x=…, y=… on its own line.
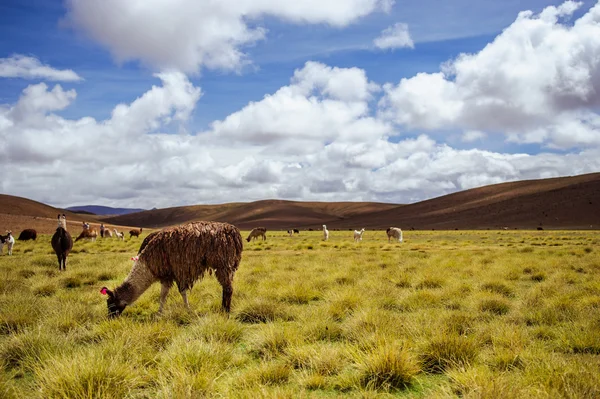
x=18, y=213
x=557, y=203
x=272, y=214
x=565, y=202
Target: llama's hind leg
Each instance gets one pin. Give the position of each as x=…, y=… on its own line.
x=226, y=282
x=185, y=299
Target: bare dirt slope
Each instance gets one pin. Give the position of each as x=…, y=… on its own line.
x=18, y=214
x=272, y=214
x=565, y=202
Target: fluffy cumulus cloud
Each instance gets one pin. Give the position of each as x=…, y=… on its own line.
x=322, y=104
x=21, y=66
x=189, y=34
x=537, y=82
x=315, y=139
x=396, y=36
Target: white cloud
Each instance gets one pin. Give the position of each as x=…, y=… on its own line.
x=395, y=36
x=315, y=139
x=321, y=104
x=189, y=34
x=21, y=66
x=539, y=74
x=473, y=135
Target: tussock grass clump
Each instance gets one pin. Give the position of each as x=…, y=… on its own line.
x=344, y=280
x=270, y=342
x=314, y=382
x=506, y=360
x=26, y=273
x=45, y=290
x=18, y=313
x=343, y=305
x=481, y=382
x=300, y=294
x=566, y=378
x=538, y=276
x=387, y=367
x=71, y=282
x=320, y=359
x=178, y=382
x=106, y=276
x=197, y=357
x=403, y=281
x=26, y=349
x=498, y=288
x=460, y=323
x=495, y=306
x=86, y=375
x=447, y=351
x=421, y=300
x=45, y=261
x=270, y=373
x=261, y=311
x=580, y=340
x=323, y=330
x=430, y=282
x=221, y=329
x=10, y=285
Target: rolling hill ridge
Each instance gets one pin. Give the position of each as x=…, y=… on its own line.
x=556, y=203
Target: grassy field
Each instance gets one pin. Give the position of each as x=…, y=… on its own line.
x=482, y=314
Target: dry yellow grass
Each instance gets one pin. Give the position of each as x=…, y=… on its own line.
x=444, y=314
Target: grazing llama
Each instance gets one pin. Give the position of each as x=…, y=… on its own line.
x=394, y=232
x=181, y=255
x=120, y=235
x=28, y=234
x=257, y=232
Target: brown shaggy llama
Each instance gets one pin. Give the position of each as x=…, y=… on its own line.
x=87, y=233
x=107, y=233
x=257, y=232
x=135, y=233
x=28, y=234
x=394, y=232
x=62, y=243
x=181, y=254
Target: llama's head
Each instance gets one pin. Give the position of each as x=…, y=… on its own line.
x=114, y=304
x=324, y=227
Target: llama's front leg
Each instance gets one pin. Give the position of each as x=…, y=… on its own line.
x=164, y=292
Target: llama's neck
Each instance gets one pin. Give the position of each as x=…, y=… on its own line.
x=62, y=223
x=136, y=283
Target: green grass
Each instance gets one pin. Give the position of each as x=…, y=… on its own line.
x=482, y=314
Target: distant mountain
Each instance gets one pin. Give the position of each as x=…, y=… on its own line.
x=103, y=210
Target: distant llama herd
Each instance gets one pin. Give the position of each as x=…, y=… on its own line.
x=180, y=255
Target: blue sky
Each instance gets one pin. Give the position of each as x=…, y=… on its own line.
x=72, y=35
